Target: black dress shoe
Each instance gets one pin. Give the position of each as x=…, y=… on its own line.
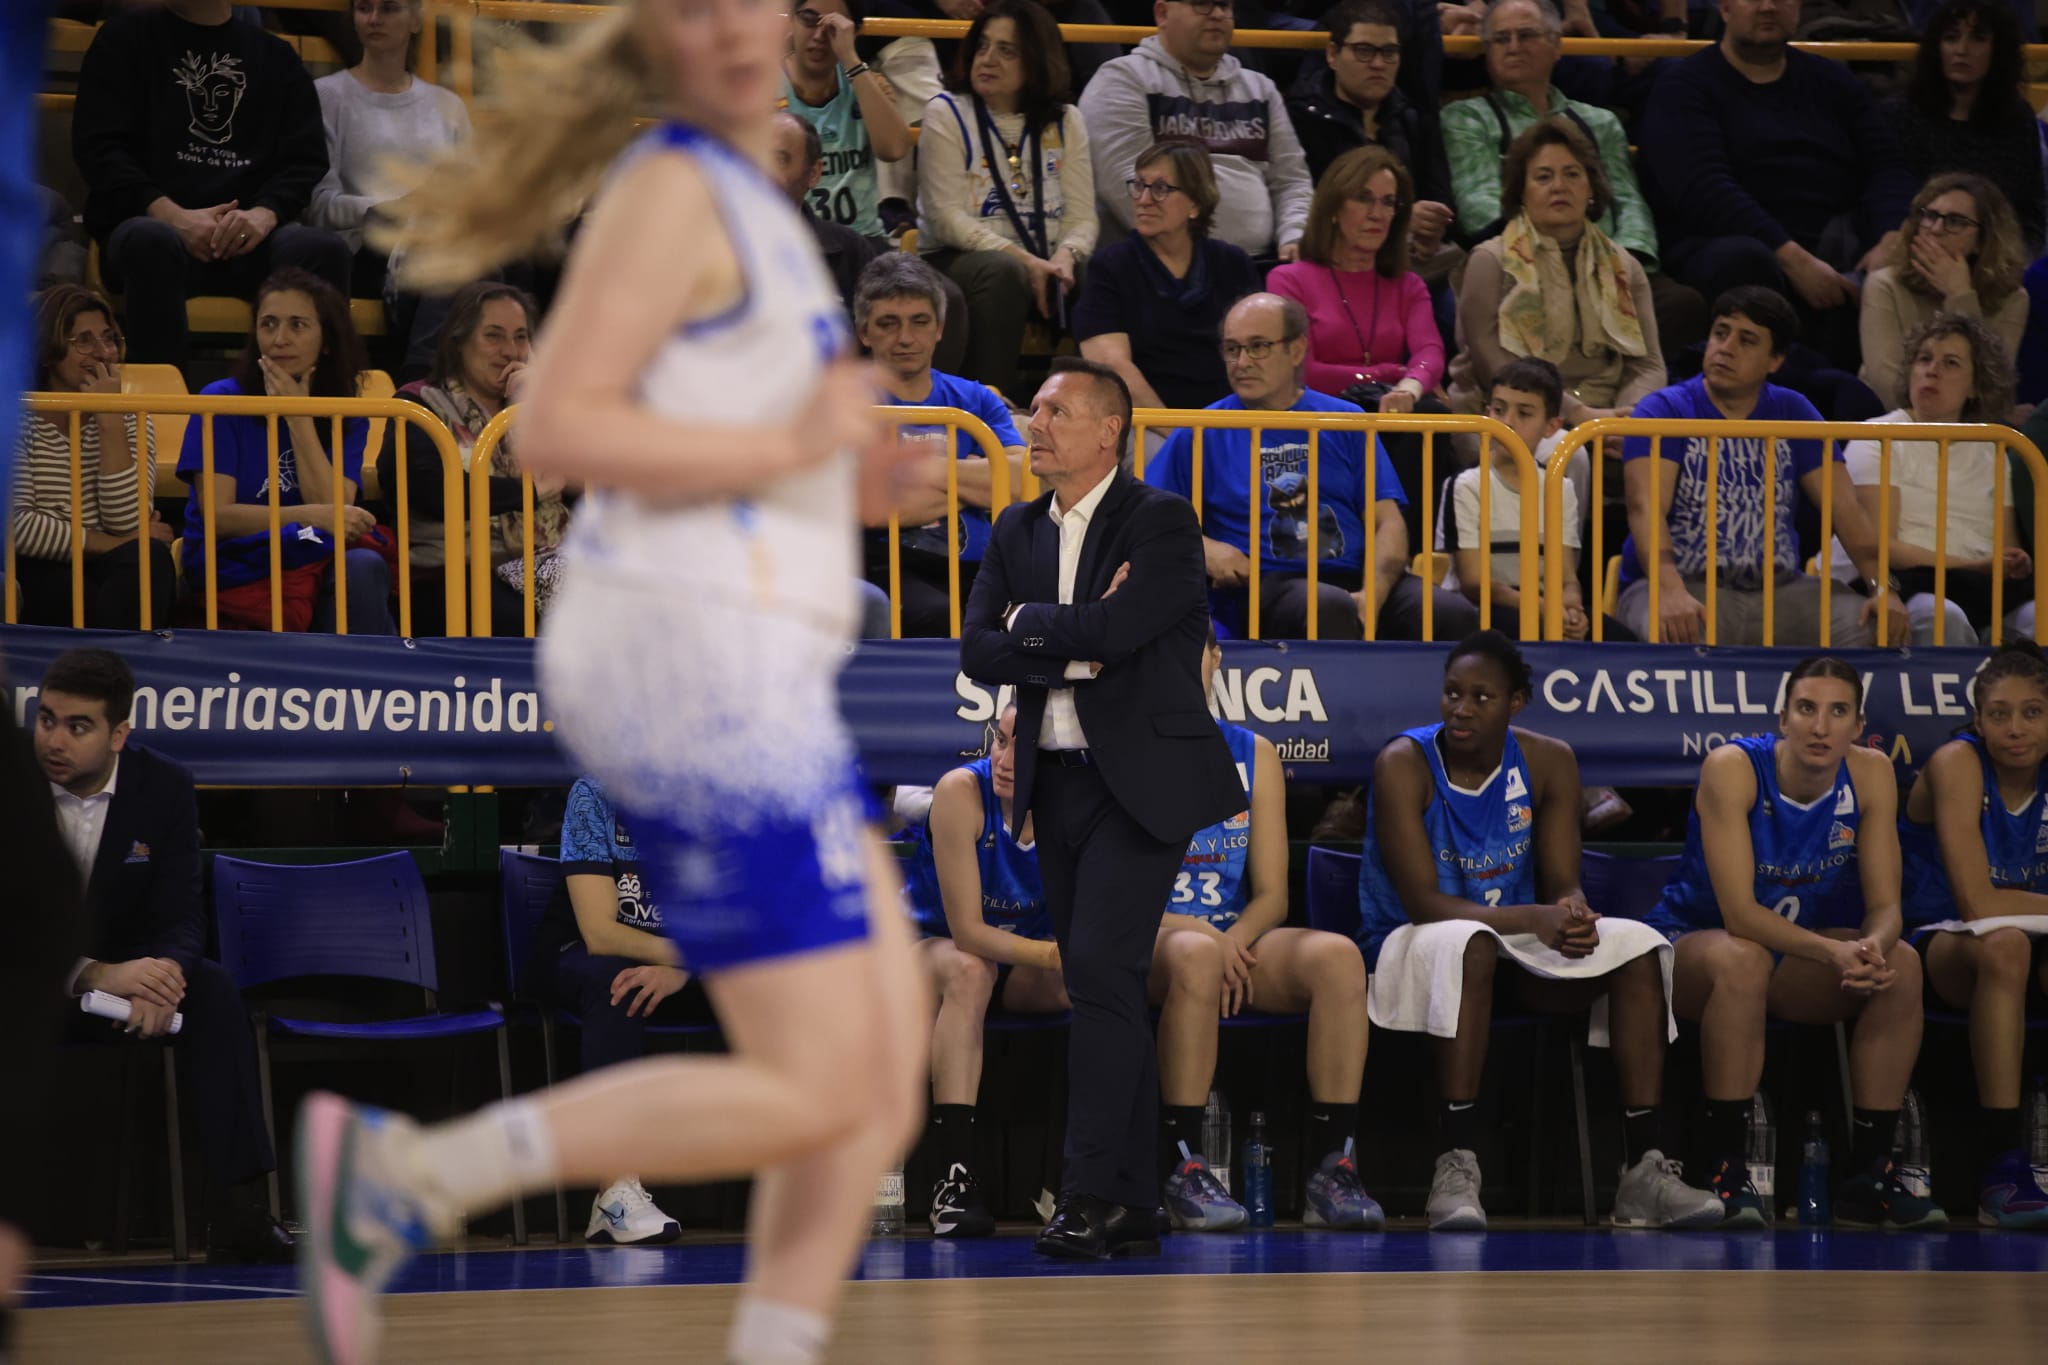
x=248, y=1238
x=1085, y=1228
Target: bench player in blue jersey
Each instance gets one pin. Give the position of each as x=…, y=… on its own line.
x=1222, y=949
x=975, y=894
x=1974, y=835
x=1470, y=889
x=1786, y=903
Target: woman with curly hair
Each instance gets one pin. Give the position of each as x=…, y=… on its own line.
x=1959, y=251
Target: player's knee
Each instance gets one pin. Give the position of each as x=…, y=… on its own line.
x=1336, y=968
x=1741, y=967
x=1193, y=961
x=964, y=978
x=1482, y=952
x=2003, y=959
x=1905, y=964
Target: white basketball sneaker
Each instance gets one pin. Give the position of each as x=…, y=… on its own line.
x=1454, y=1194
x=1653, y=1194
x=626, y=1214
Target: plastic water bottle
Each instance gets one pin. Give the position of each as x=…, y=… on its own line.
x=1258, y=1174
x=2037, y=1129
x=1912, y=1155
x=1216, y=1138
x=888, y=1219
x=1763, y=1149
x=1815, y=1208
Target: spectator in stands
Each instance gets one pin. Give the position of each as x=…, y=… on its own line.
x=898, y=312
x=1554, y=286
x=1265, y=349
x=1959, y=372
x=1183, y=82
x=825, y=84
x=1523, y=45
x=302, y=345
x=799, y=162
x=1959, y=252
x=1751, y=330
x=1772, y=167
x=1963, y=109
x=600, y=952
x=199, y=139
x=1373, y=337
x=1369, y=316
x=1005, y=194
x=479, y=367
x=1526, y=396
x=1153, y=303
x=1353, y=99
x=379, y=119
x=129, y=819
x=79, y=350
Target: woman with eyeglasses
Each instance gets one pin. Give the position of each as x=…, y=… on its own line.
x=1005, y=188
x=1959, y=252
x=1554, y=287
x=1153, y=303
x=1963, y=109
x=79, y=350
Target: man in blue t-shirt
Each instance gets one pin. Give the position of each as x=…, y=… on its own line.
x=1752, y=328
x=1265, y=343
x=899, y=312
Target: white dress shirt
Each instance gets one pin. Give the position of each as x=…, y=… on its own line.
x=82, y=819
x=1061, y=728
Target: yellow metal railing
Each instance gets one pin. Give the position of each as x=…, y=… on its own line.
x=1589, y=436
x=207, y=407
x=954, y=420
x=1429, y=426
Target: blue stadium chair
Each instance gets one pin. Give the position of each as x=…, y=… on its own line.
x=1333, y=906
x=365, y=919
x=1625, y=888
x=526, y=883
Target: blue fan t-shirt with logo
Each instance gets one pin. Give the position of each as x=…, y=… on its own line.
x=596, y=842
x=951, y=391
x=1226, y=506
x=1740, y=506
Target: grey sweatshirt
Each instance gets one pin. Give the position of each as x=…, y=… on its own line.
x=1239, y=115
x=370, y=137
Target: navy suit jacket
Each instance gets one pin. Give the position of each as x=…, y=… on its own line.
x=1147, y=721
x=143, y=897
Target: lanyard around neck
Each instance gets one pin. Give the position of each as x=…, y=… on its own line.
x=1027, y=145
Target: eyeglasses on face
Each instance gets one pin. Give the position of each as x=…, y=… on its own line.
x=1258, y=348
x=1155, y=190
x=1386, y=203
x=1508, y=37
x=99, y=343
x=1934, y=220
x=1369, y=54
x=1209, y=6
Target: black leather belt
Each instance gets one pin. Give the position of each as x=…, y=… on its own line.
x=1065, y=758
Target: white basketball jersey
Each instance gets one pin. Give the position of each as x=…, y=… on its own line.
x=792, y=547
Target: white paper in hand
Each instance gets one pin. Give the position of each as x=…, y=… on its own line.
x=116, y=1007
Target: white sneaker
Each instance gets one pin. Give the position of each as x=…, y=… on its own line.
x=1454, y=1194
x=626, y=1214
x=1653, y=1194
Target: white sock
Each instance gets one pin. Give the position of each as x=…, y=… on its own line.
x=496, y=1154
x=765, y=1333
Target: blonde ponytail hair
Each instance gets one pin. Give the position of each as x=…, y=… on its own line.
x=553, y=121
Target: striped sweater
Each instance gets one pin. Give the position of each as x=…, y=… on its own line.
x=41, y=521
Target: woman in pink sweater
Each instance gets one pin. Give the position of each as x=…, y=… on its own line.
x=1369, y=316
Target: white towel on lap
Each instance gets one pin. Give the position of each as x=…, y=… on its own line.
x=2034, y=926
x=1420, y=979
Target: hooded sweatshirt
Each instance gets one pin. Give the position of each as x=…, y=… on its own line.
x=1238, y=114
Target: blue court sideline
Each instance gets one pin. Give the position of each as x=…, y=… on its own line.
x=1282, y=1252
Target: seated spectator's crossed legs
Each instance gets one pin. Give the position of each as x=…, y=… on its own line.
x=369, y=597
x=1284, y=598
x=146, y=261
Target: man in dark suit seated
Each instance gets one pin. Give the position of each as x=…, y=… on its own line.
x=1092, y=601
x=131, y=823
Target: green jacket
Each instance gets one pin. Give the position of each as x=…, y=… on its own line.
x=1476, y=145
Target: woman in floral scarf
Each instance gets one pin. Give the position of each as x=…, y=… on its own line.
x=477, y=372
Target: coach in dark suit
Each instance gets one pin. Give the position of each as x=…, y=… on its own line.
x=1093, y=601
x=130, y=821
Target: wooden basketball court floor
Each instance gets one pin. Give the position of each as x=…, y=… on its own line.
x=1521, y=1294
